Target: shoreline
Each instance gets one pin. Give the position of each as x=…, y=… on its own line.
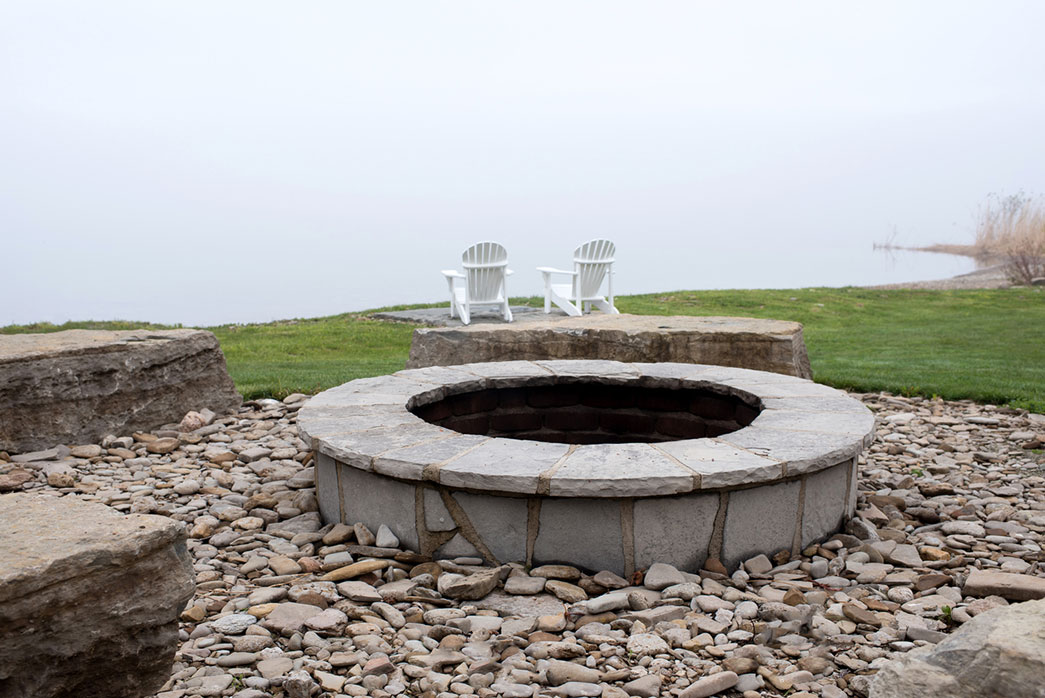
x=991, y=275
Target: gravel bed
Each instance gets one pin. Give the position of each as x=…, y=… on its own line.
x=950, y=523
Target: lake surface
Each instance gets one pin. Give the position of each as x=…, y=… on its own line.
x=207, y=292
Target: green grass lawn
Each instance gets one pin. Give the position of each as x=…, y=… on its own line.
x=985, y=345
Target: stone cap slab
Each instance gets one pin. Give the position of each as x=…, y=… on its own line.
x=16, y=347
x=768, y=345
x=44, y=539
x=802, y=427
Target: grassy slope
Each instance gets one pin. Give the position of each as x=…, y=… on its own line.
x=311, y=355
x=983, y=345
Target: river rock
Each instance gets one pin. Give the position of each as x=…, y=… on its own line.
x=710, y=685
x=1014, y=587
x=59, y=635
x=473, y=586
x=76, y=386
x=998, y=653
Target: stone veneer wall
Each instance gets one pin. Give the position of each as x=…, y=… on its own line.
x=618, y=534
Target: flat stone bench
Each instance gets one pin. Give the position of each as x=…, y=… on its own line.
x=76, y=386
x=89, y=599
x=762, y=345
x=601, y=464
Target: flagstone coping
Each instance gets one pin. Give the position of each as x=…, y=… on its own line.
x=801, y=428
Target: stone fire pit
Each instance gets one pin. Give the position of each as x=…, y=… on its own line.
x=601, y=464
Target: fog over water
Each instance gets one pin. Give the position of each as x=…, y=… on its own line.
x=220, y=162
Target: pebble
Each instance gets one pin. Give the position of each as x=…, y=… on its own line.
x=385, y=538
x=522, y=584
x=660, y=576
x=647, y=686
x=570, y=593
x=233, y=624
x=710, y=685
x=951, y=513
x=563, y=572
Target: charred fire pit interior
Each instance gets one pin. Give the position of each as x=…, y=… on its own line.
x=592, y=413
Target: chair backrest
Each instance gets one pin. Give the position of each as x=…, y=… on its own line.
x=591, y=261
x=484, y=264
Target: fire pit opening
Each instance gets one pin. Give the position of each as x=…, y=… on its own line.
x=591, y=413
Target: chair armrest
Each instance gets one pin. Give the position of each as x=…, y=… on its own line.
x=553, y=270
x=451, y=274
x=508, y=272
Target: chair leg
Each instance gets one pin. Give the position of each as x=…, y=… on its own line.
x=453, y=299
x=568, y=307
x=507, y=312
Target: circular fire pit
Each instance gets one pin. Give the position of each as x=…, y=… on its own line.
x=601, y=464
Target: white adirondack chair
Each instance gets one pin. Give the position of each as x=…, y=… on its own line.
x=485, y=269
x=592, y=263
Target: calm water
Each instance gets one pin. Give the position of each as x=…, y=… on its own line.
x=205, y=293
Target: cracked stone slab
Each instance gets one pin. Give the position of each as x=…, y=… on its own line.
x=800, y=451
x=601, y=371
x=502, y=465
x=359, y=448
x=409, y=463
x=797, y=388
x=508, y=374
x=838, y=402
x=460, y=379
x=325, y=423
x=673, y=371
x=851, y=423
x=393, y=390
x=722, y=464
x=619, y=470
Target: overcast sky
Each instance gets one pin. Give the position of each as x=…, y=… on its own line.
x=235, y=161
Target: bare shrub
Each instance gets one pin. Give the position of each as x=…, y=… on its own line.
x=1014, y=227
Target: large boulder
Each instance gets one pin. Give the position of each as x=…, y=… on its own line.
x=89, y=599
x=763, y=345
x=998, y=654
x=76, y=386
